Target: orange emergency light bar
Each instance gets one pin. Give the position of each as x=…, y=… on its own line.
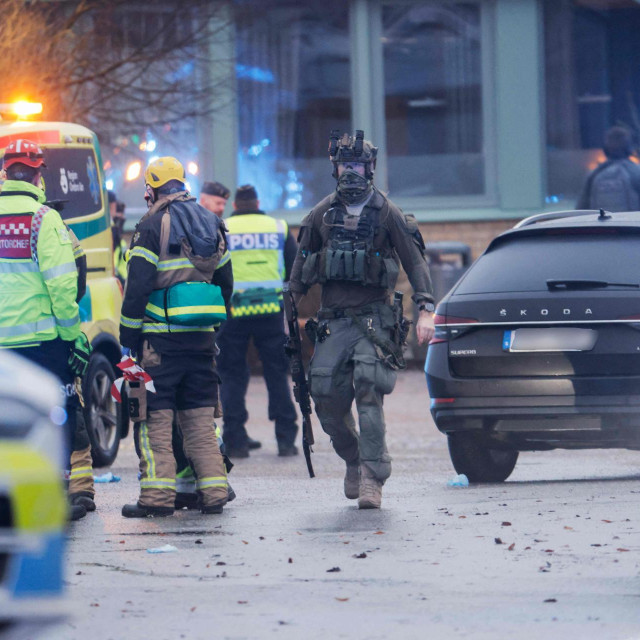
x=22, y=109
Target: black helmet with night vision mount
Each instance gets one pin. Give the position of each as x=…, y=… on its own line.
x=345, y=148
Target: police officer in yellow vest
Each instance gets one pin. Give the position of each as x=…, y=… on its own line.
x=262, y=253
x=178, y=286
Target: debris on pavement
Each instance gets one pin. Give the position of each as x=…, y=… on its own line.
x=106, y=477
x=167, y=548
x=334, y=570
x=459, y=481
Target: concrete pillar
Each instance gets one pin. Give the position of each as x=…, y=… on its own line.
x=521, y=140
x=367, y=79
x=219, y=131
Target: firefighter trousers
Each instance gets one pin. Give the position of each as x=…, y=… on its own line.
x=185, y=384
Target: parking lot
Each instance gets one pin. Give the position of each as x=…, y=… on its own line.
x=553, y=553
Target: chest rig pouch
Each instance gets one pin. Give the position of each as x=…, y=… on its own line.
x=349, y=254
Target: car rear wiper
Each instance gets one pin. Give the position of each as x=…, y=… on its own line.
x=587, y=284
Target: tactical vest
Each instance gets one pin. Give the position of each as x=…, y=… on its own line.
x=256, y=242
x=350, y=254
x=183, y=297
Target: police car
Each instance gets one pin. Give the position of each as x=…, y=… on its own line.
x=32, y=503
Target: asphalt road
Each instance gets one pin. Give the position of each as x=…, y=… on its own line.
x=552, y=553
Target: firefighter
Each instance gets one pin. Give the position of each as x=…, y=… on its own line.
x=39, y=316
x=179, y=284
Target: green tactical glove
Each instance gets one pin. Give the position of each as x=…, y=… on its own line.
x=79, y=355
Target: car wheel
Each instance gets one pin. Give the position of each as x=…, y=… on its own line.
x=473, y=456
x=101, y=412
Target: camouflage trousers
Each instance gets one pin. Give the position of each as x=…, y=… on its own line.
x=345, y=367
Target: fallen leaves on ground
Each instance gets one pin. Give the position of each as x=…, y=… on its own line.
x=342, y=599
x=550, y=600
x=506, y=524
x=498, y=540
x=334, y=570
x=512, y=546
x=360, y=555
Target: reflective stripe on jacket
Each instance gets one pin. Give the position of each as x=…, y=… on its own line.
x=38, y=276
x=256, y=242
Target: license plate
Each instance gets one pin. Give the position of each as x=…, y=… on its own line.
x=551, y=339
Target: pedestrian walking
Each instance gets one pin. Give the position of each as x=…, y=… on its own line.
x=39, y=293
x=179, y=282
x=213, y=197
x=614, y=185
x=262, y=253
x=351, y=244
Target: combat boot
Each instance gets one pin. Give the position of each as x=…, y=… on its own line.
x=352, y=481
x=139, y=511
x=370, y=490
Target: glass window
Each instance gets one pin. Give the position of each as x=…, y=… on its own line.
x=433, y=98
x=525, y=263
x=592, y=67
x=71, y=181
x=293, y=87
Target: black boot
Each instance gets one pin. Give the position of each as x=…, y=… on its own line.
x=139, y=511
x=213, y=508
x=232, y=494
x=83, y=498
x=253, y=444
x=76, y=511
x=186, y=501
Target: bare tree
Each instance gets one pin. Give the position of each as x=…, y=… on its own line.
x=119, y=66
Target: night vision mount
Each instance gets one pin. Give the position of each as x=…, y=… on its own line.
x=346, y=148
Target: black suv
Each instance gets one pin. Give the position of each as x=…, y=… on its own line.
x=538, y=345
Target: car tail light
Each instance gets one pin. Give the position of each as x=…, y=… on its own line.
x=443, y=400
x=441, y=322
x=441, y=335
x=634, y=317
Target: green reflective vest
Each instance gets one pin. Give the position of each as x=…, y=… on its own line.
x=38, y=277
x=256, y=242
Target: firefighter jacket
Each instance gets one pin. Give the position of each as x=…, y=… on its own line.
x=262, y=253
x=170, y=247
x=38, y=277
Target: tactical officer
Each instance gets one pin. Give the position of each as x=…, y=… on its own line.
x=39, y=317
x=352, y=243
x=262, y=252
x=178, y=284
x=214, y=196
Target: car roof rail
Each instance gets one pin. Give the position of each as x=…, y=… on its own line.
x=558, y=215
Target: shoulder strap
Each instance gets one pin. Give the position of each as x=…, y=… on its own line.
x=36, y=223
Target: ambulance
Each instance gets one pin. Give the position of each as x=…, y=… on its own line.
x=75, y=186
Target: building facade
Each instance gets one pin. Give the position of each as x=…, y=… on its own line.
x=485, y=111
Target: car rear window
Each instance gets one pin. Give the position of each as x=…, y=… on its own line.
x=525, y=263
x=71, y=176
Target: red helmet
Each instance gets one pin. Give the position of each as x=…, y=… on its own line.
x=24, y=152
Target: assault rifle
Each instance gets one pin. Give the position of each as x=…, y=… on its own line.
x=300, y=387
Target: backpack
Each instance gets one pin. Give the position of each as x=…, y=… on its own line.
x=612, y=188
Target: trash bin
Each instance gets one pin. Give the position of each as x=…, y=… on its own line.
x=447, y=262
